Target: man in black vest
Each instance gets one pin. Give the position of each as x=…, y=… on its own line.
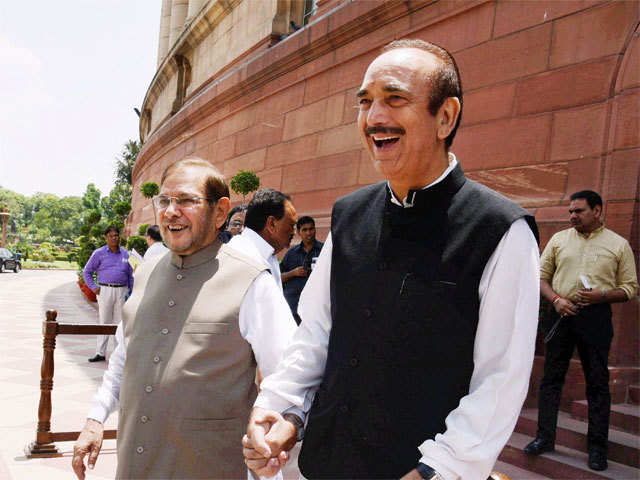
x=419, y=319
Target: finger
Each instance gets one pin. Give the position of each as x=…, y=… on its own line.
x=256, y=464
x=78, y=464
x=93, y=456
x=283, y=458
x=251, y=454
x=256, y=433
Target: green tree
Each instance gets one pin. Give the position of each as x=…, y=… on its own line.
x=245, y=182
x=149, y=189
x=137, y=242
x=126, y=162
x=91, y=198
x=142, y=229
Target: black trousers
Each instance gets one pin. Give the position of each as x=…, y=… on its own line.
x=591, y=332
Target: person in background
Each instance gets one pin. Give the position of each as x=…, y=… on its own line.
x=234, y=224
x=154, y=241
x=115, y=280
x=298, y=263
x=592, y=254
x=269, y=226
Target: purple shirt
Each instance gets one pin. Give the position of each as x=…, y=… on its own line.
x=112, y=268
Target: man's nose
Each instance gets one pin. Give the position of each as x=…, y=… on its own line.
x=172, y=210
x=378, y=113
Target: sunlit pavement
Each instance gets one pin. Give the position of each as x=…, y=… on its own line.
x=24, y=299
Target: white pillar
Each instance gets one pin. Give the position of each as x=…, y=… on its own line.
x=179, y=9
x=194, y=8
x=165, y=23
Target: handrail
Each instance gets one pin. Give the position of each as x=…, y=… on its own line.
x=44, y=445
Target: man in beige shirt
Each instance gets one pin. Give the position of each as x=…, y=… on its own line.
x=196, y=324
x=582, y=271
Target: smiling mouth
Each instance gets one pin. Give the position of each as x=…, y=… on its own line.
x=176, y=228
x=385, y=142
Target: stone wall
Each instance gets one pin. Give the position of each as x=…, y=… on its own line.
x=550, y=107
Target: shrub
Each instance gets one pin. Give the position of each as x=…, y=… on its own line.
x=149, y=189
x=244, y=182
x=93, y=217
x=137, y=242
x=142, y=229
x=122, y=209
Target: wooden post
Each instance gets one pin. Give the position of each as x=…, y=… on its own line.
x=43, y=445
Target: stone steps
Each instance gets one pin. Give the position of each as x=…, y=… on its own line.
x=564, y=463
x=624, y=416
x=624, y=447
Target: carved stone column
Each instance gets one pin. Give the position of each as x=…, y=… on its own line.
x=179, y=9
x=194, y=8
x=165, y=25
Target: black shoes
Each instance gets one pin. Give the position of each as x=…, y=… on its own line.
x=97, y=358
x=597, y=460
x=539, y=446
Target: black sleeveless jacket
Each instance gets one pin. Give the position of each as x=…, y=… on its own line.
x=404, y=306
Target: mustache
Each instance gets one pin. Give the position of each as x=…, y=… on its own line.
x=379, y=129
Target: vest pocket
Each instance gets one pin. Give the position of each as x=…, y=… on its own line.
x=209, y=327
x=212, y=424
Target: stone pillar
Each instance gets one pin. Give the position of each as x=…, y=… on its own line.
x=165, y=24
x=194, y=8
x=179, y=9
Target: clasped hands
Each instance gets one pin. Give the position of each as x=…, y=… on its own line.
x=582, y=298
x=267, y=443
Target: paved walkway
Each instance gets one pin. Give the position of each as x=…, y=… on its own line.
x=24, y=299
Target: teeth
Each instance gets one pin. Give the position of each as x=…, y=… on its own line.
x=381, y=139
x=176, y=228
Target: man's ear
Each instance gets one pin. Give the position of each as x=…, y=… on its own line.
x=597, y=211
x=220, y=211
x=447, y=117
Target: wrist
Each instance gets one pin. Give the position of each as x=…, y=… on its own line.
x=427, y=472
x=556, y=298
x=298, y=425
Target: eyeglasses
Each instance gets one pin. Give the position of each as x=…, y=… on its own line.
x=236, y=224
x=162, y=202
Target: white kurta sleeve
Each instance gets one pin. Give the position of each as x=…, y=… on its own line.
x=300, y=372
x=266, y=322
x=480, y=426
x=106, y=399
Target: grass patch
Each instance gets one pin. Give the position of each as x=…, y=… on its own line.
x=53, y=265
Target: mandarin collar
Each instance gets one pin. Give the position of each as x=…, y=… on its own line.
x=434, y=195
x=204, y=255
x=409, y=200
x=588, y=235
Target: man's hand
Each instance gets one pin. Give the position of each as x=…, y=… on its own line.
x=299, y=271
x=565, y=307
x=89, y=442
x=268, y=436
x=96, y=290
x=265, y=467
x=588, y=296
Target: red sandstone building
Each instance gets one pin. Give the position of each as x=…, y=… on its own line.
x=551, y=106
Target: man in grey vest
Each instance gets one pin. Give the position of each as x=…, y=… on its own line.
x=419, y=319
x=194, y=327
